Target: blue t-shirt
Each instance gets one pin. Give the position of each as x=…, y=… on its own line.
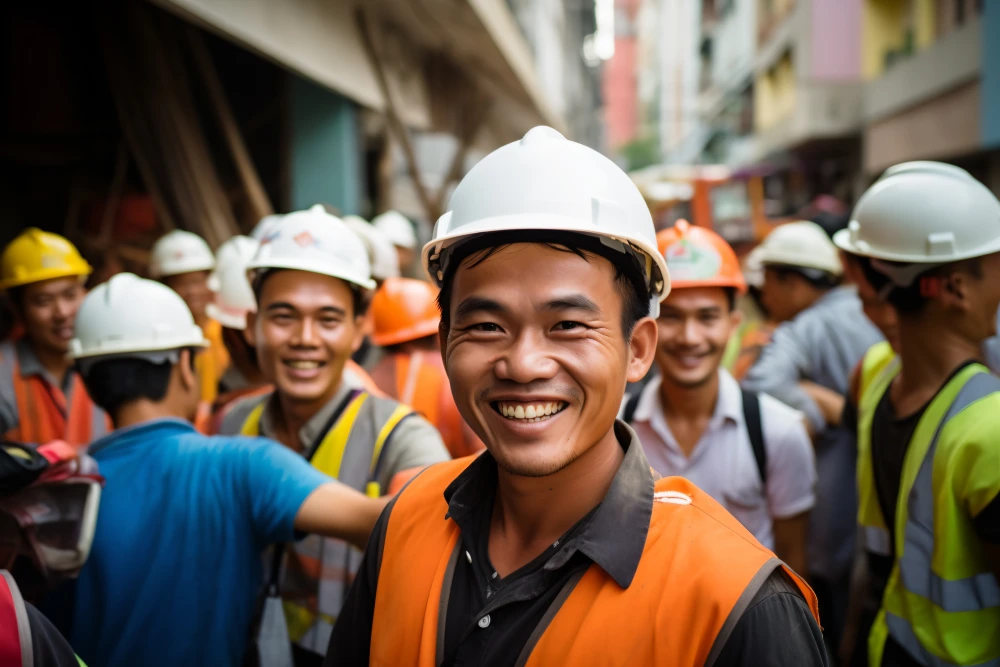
x=176, y=565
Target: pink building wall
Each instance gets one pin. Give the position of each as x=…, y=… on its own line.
x=620, y=88
x=836, y=40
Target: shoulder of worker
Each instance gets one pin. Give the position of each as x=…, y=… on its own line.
x=837, y=315
x=780, y=421
x=413, y=441
x=238, y=411
x=8, y=401
x=967, y=444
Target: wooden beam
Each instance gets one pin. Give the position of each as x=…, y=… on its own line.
x=254, y=189
x=114, y=198
x=466, y=135
x=395, y=124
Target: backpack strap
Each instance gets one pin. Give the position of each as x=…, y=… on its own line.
x=630, y=407
x=15, y=633
x=751, y=415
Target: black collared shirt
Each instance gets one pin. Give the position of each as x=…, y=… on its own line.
x=490, y=620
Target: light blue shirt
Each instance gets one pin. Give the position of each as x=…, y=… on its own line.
x=175, y=567
x=822, y=344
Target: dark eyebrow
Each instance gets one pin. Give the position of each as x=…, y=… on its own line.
x=573, y=302
x=284, y=305
x=476, y=304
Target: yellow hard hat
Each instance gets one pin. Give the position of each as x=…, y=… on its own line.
x=35, y=256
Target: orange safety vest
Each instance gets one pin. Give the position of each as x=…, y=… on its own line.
x=697, y=563
x=43, y=415
x=419, y=381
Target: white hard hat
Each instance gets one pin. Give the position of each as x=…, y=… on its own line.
x=180, y=252
x=923, y=213
x=801, y=244
x=234, y=295
x=265, y=226
x=397, y=228
x=133, y=317
x=381, y=254
x=317, y=242
x=546, y=182
x=753, y=269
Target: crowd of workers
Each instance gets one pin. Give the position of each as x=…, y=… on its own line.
x=688, y=461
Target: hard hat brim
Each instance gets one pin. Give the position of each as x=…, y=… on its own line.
x=182, y=268
x=842, y=239
x=121, y=350
x=416, y=332
x=309, y=267
x=46, y=274
x=540, y=222
x=228, y=320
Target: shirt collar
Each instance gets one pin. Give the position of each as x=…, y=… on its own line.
x=139, y=433
x=615, y=534
x=30, y=365
x=313, y=429
x=728, y=404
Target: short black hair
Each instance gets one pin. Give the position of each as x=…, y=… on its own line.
x=116, y=381
x=909, y=300
x=359, y=298
x=818, y=278
x=629, y=276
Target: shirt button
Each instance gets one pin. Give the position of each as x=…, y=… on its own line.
x=484, y=622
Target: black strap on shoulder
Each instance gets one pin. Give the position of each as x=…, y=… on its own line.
x=631, y=406
x=751, y=415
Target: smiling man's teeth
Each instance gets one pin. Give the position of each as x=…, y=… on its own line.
x=304, y=365
x=532, y=412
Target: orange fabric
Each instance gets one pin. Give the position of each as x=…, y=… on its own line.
x=211, y=363
x=420, y=381
x=754, y=340
x=43, y=415
x=404, y=309
x=697, y=562
x=698, y=257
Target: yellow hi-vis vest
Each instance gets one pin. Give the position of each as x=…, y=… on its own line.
x=942, y=601
x=318, y=571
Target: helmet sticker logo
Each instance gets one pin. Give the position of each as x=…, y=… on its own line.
x=305, y=239
x=687, y=261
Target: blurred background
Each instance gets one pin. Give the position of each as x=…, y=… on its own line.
x=122, y=120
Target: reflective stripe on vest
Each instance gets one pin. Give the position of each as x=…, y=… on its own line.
x=42, y=411
x=15, y=633
x=318, y=571
x=942, y=602
x=878, y=368
x=697, y=558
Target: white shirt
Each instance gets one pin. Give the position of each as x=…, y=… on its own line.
x=722, y=462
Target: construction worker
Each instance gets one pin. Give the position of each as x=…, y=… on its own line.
x=412, y=372
x=41, y=399
x=233, y=300
x=183, y=262
x=399, y=230
x=174, y=569
x=312, y=283
x=822, y=336
x=557, y=546
x=756, y=328
x=750, y=452
x=928, y=238
x=27, y=638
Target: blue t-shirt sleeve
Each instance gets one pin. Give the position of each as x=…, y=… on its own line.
x=277, y=483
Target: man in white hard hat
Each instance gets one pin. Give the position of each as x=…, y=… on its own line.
x=312, y=283
x=927, y=236
x=183, y=261
x=175, y=565
x=808, y=365
x=557, y=546
x=399, y=230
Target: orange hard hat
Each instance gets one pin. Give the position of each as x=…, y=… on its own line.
x=405, y=309
x=698, y=257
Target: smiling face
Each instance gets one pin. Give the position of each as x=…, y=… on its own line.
x=48, y=310
x=538, y=365
x=694, y=327
x=304, y=332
